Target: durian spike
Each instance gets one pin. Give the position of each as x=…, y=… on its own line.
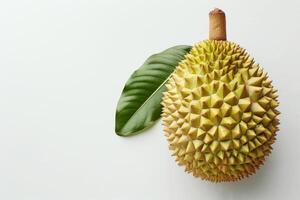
x=217, y=25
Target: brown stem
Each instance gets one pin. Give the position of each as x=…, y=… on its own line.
x=217, y=25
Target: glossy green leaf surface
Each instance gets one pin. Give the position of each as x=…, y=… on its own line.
x=140, y=103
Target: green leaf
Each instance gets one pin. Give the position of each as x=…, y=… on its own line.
x=139, y=105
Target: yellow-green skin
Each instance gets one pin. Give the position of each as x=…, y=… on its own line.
x=219, y=112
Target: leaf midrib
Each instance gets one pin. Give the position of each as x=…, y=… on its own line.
x=146, y=102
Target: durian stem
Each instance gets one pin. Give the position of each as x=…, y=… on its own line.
x=217, y=25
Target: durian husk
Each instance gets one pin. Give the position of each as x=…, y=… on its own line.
x=219, y=112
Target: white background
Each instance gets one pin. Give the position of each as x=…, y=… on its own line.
x=63, y=66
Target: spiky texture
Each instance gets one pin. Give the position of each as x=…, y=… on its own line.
x=219, y=112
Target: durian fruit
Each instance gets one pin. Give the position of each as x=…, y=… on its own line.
x=219, y=110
